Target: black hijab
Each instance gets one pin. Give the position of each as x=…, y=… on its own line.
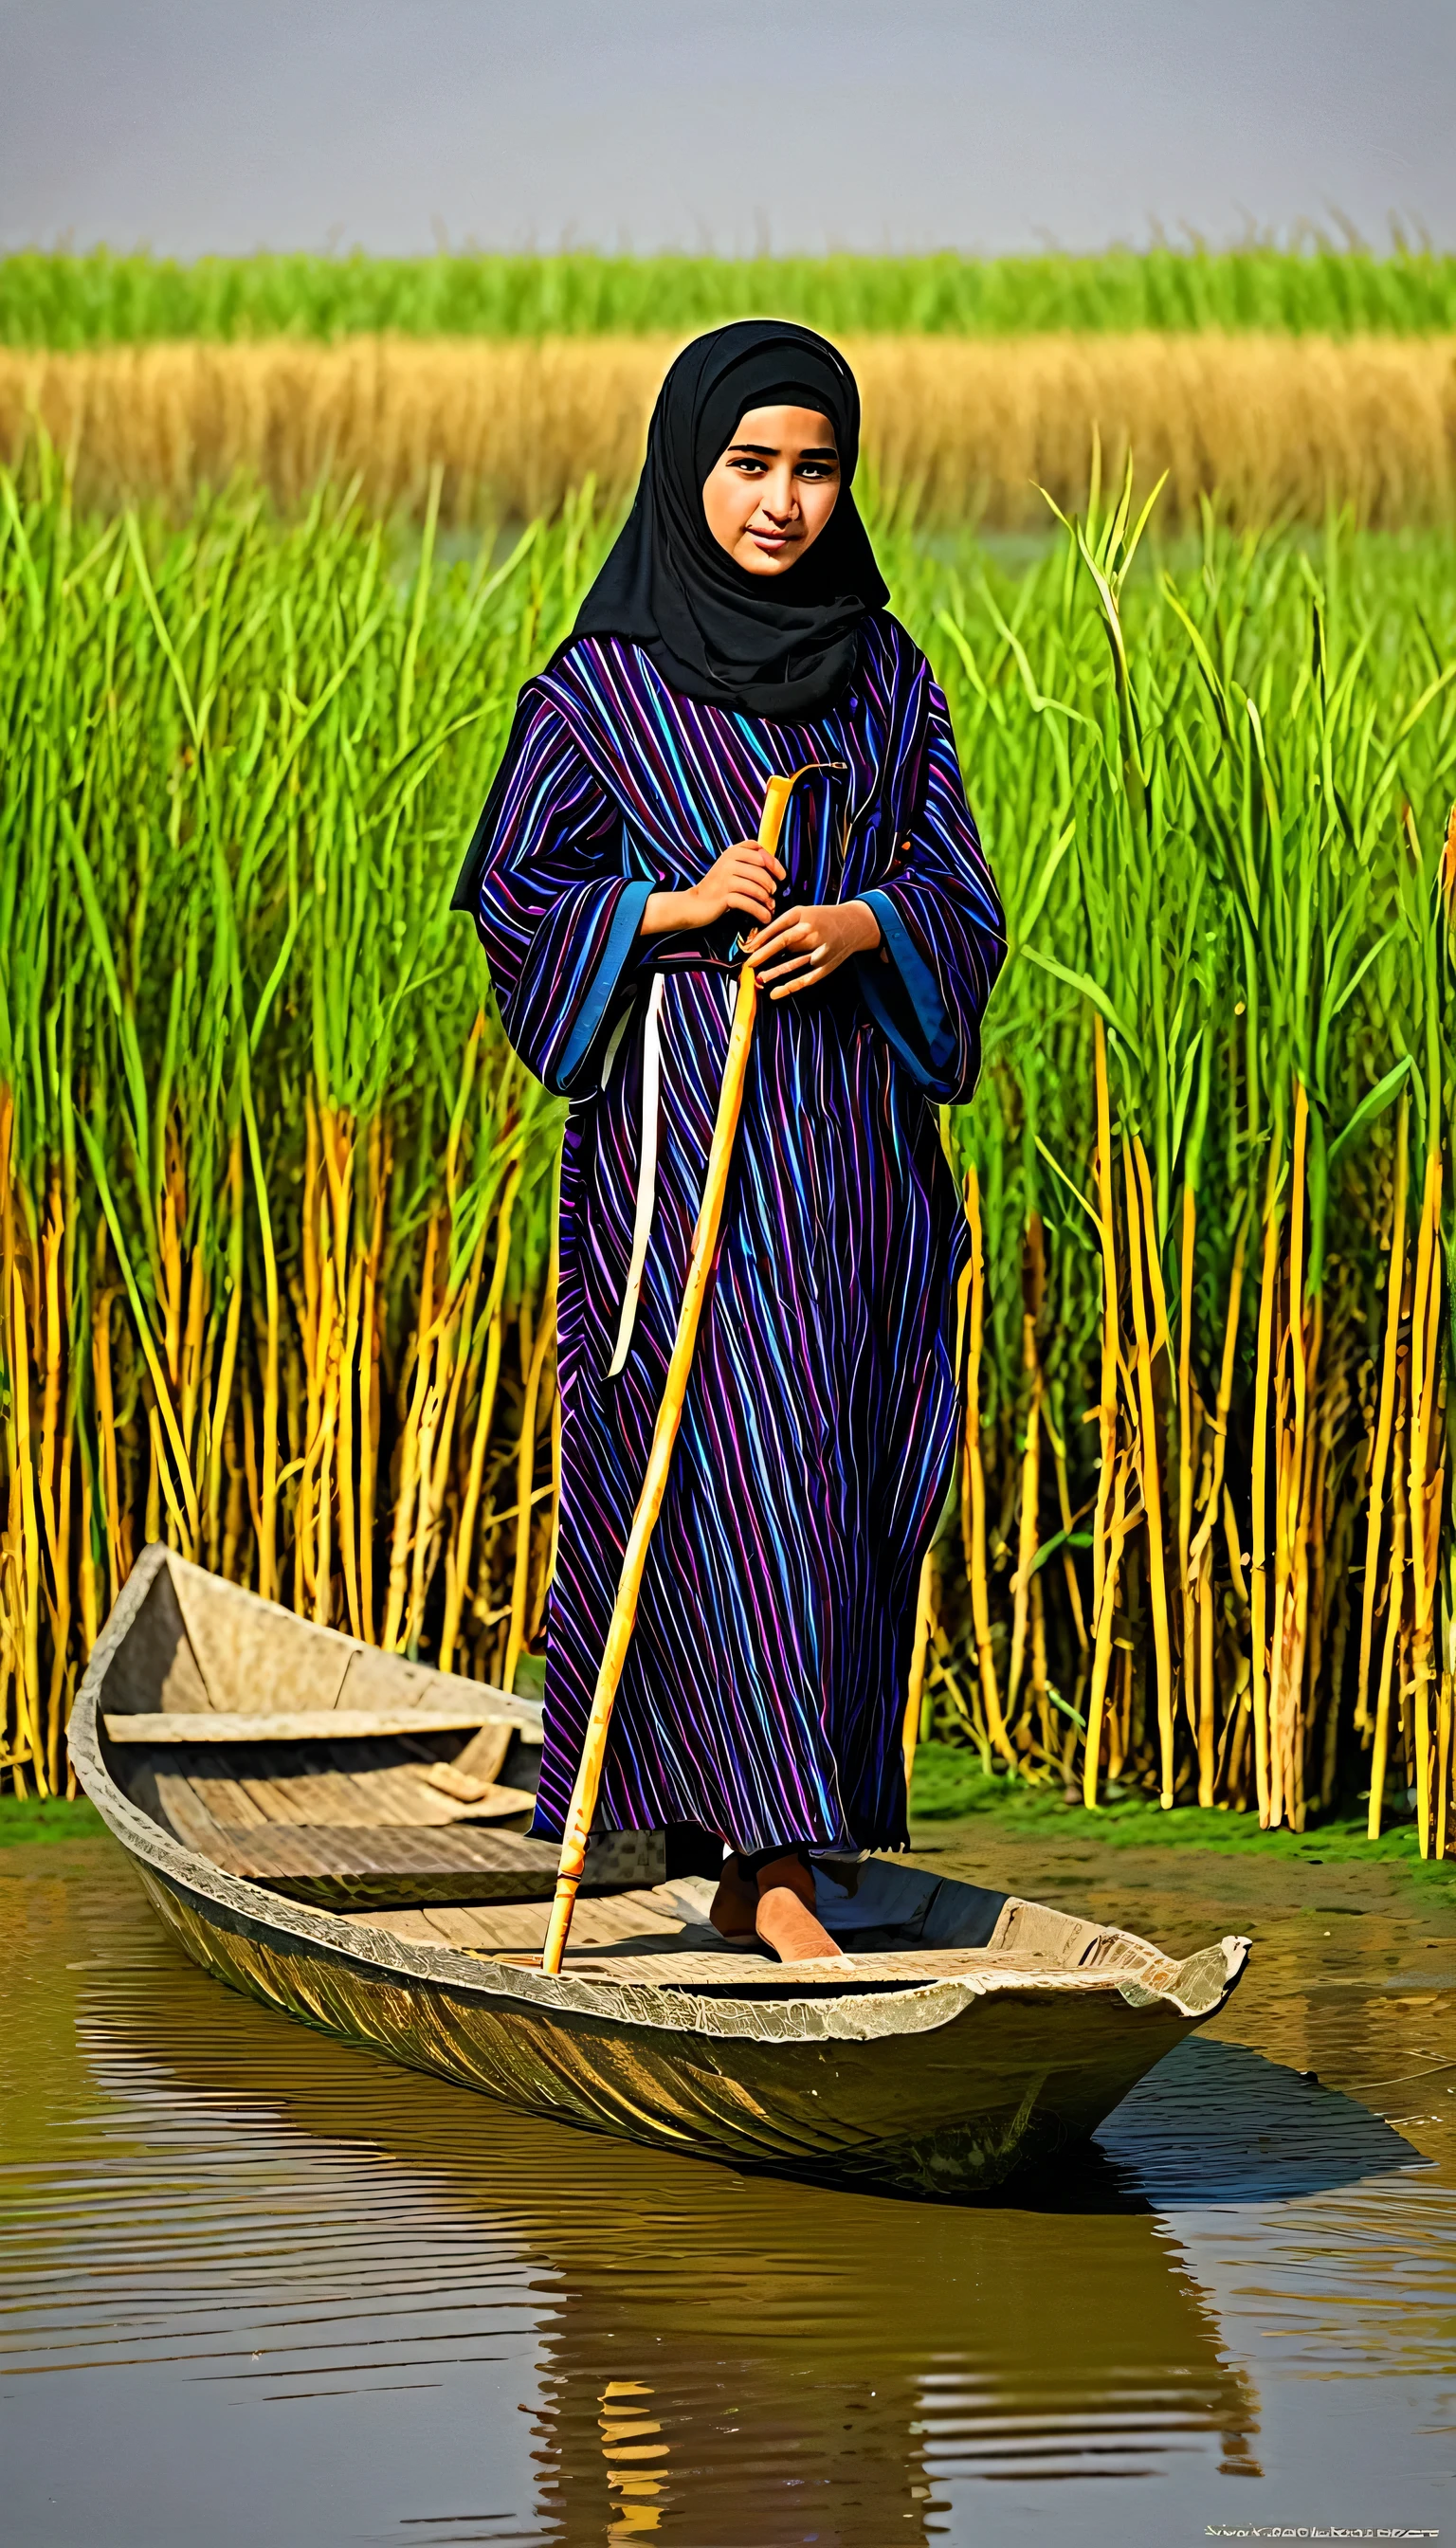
x=773, y=646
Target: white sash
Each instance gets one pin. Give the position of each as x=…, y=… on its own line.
x=652, y=1069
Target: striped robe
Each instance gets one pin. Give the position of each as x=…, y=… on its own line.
x=764, y=1690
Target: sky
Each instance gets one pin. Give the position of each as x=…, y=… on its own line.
x=987, y=126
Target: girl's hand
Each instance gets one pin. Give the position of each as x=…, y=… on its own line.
x=742, y=879
x=803, y=946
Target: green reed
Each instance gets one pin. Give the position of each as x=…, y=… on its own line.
x=101, y=299
x=276, y=1202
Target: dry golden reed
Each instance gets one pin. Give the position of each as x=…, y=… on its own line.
x=1276, y=426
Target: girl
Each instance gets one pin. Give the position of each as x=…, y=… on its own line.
x=737, y=630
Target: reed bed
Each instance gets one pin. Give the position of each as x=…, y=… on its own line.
x=277, y=1277
x=1317, y=288
x=1275, y=427
x=1203, y=1537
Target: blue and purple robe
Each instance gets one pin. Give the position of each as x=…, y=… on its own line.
x=764, y=1690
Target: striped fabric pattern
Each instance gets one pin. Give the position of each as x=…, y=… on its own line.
x=765, y=1689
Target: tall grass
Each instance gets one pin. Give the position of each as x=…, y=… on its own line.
x=1277, y=428
x=276, y=1269
x=1207, y=1173
x=100, y=299
x=276, y=1241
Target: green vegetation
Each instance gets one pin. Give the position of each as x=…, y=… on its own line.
x=276, y=1276
x=48, y=1818
x=951, y=1787
x=100, y=299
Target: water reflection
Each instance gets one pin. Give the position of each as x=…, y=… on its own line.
x=712, y=2344
x=844, y=2358
x=380, y=2308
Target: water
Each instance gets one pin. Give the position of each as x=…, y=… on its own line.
x=261, y=2291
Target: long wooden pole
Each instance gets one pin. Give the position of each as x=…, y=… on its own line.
x=582, y=1810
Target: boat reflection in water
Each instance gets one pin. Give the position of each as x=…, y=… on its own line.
x=727, y=2359
x=851, y=2366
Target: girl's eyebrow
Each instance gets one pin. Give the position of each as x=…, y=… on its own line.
x=770, y=450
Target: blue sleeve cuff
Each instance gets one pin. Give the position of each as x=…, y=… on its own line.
x=621, y=939
x=904, y=1002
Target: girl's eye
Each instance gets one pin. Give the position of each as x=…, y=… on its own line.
x=749, y=466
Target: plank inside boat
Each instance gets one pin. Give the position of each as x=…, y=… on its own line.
x=292, y=1725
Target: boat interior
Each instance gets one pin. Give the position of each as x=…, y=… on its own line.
x=397, y=1798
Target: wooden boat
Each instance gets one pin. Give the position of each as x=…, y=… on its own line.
x=341, y=1833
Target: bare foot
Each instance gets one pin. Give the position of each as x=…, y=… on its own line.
x=785, y=1920
x=734, y=1903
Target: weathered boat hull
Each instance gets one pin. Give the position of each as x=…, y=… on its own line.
x=941, y=2086
x=949, y=2111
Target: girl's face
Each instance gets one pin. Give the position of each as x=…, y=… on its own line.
x=774, y=487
